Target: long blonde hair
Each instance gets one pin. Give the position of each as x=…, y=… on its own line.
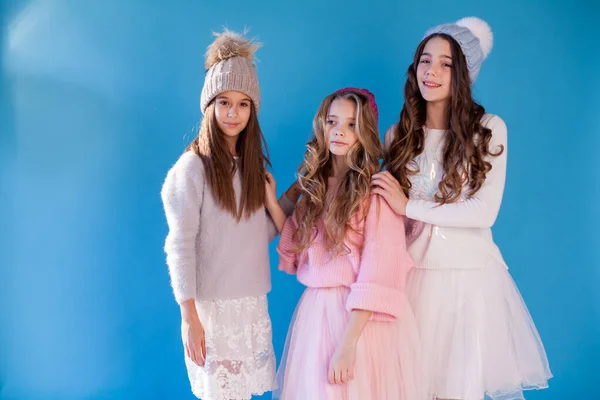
x=353, y=189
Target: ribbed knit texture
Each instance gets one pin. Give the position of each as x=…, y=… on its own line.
x=374, y=269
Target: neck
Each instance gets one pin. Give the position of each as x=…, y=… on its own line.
x=339, y=166
x=437, y=115
x=232, y=144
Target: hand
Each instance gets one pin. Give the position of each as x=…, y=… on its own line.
x=385, y=185
x=270, y=189
x=293, y=192
x=341, y=366
x=192, y=333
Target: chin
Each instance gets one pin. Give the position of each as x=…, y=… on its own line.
x=434, y=99
x=231, y=134
x=338, y=153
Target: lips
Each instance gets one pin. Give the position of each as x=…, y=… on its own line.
x=431, y=85
x=338, y=143
x=230, y=124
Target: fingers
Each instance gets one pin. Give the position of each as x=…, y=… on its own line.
x=331, y=375
x=202, y=355
x=343, y=376
x=387, y=177
x=382, y=192
x=188, y=354
x=382, y=183
x=194, y=356
x=340, y=375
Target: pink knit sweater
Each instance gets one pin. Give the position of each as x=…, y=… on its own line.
x=374, y=269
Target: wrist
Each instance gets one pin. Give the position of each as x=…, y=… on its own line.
x=270, y=202
x=349, y=341
x=188, y=311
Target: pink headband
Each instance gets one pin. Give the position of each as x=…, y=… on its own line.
x=370, y=97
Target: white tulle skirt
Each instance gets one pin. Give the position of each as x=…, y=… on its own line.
x=477, y=334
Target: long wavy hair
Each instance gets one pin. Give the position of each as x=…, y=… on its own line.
x=346, y=207
x=467, y=143
x=220, y=166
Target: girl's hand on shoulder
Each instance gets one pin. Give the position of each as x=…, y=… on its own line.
x=385, y=185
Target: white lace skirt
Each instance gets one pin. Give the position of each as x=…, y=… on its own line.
x=240, y=361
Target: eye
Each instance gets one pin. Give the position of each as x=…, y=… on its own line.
x=245, y=104
x=352, y=125
x=330, y=122
x=424, y=62
x=223, y=102
x=447, y=65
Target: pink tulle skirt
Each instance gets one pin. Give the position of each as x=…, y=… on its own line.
x=387, y=355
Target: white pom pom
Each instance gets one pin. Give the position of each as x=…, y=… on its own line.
x=481, y=30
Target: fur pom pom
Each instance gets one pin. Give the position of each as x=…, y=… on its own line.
x=227, y=45
x=481, y=30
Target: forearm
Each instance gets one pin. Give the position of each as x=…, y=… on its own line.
x=293, y=192
x=277, y=214
x=356, y=325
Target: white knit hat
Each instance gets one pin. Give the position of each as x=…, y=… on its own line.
x=475, y=38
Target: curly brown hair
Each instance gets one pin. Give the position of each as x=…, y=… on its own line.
x=347, y=204
x=467, y=144
x=220, y=166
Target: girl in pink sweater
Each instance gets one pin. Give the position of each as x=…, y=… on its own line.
x=353, y=335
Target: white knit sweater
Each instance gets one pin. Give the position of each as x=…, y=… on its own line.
x=456, y=235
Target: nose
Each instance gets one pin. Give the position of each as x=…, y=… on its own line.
x=231, y=112
x=432, y=70
x=339, y=131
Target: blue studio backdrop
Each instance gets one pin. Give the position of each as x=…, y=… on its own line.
x=99, y=98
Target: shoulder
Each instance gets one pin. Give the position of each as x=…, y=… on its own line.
x=390, y=135
x=186, y=172
x=188, y=166
x=497, y=126
x=493, y=122
x=379, y=209
x=189, y=163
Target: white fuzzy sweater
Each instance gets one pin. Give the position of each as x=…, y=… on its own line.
x=209, y=253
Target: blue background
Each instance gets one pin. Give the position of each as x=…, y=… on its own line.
x=99, y=98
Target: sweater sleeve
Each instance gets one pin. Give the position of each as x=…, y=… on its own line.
x=288, y=207
x=384, y=264
x=182, y=195
x=288, y=259
x=480, y=210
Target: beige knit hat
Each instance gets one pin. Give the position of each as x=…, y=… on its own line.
x=229, y=61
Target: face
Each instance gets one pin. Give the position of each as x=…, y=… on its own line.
x=434, y=72
x=340, y=130
x=232, y=111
